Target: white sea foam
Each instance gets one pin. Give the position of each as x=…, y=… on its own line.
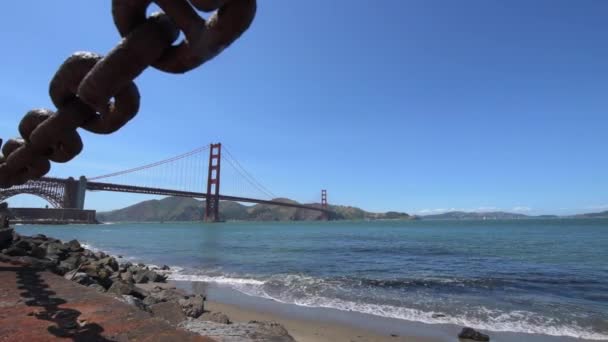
x=492, y=320
x=218, y=279
x=89, y=247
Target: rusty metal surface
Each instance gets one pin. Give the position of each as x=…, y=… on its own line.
x=98, y=93
x=40, y=306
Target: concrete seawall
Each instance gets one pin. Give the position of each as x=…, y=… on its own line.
x=52, y=216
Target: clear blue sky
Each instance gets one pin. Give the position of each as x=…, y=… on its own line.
x=391, y=105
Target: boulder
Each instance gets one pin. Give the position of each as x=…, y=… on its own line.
x=165, y=295
x=6, y=237
x=23, y=244
x=74, y=246
x=69, y=263
x=14, y=251
x=97, y=287
x=216, y=317
x=472, y=334
x=79, y=277
x=193, y=306
x=127, y=277
x=168, y=311
x=38, y=252
x=155, y=277
x=140, y=277
x=121, y=288
x=88, y=254
x=99, y=255
x=109, y=261
x=103, y=277
x=135, y=302
x=58, y=249
x=151, y=300
x=165, y=268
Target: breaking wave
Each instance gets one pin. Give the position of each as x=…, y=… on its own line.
x=316, y=292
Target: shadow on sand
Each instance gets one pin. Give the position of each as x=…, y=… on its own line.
x=66, y=323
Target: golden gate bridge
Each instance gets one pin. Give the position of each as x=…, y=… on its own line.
x=179, y=175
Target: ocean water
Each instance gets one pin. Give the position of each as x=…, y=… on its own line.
x=535, y=276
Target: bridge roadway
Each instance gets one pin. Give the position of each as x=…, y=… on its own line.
x=97, y=186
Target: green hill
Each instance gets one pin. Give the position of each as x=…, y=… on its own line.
x=188, y=209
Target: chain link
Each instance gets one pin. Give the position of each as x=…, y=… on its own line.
x=98, y=94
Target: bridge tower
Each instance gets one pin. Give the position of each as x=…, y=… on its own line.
x=324, y=204
x=74, y=193
x=324, y=199
x=212, y=207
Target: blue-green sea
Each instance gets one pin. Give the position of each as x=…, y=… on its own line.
x=536, y=276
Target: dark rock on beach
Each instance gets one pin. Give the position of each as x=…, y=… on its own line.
x=193, y=306
x=168, y=311
x=472, y=334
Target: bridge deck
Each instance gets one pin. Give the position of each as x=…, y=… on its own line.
x=97, y=186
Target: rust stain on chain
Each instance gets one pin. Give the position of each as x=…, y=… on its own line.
x=98, y=94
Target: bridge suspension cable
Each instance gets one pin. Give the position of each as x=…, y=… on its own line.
x=151, y=165
x=246, y=175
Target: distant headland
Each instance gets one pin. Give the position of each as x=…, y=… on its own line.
x=172, y=209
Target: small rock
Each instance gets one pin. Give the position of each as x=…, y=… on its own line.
x=119, y=257
x=165, y=268
x=438, y=315
x=472, y=334
x=169, y=311
x=193, y=306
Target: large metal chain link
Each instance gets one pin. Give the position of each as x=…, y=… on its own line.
x=98, y=94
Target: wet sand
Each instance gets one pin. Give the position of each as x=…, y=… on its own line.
x=304, y=330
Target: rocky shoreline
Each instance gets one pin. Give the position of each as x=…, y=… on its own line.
x=136, y=284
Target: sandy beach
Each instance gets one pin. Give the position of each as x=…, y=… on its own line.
x=309, y=330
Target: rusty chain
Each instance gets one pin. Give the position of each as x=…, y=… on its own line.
x=98, y=94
